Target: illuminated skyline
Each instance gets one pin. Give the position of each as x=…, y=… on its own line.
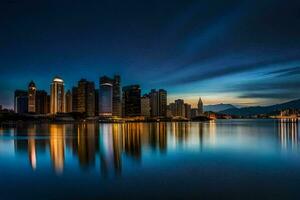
x=239, y=52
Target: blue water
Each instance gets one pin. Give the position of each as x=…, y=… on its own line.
x=224, y=159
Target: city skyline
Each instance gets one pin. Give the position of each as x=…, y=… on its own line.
x=239, y=52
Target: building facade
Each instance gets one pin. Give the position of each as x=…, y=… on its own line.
x=158, y=103
x=21, y=101
x=200, y=107
x=57, y=96
x=31, y=97
x=68, y=101
x=105, y=96
x=145, y=106
x=131, y=101
x=83, y=98
x=41, y=102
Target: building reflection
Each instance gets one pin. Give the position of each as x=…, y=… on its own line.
x=106, y=144
x=288, y=133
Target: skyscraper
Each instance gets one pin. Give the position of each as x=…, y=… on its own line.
x=145, y=106
x=41, y=102
x=105, y=96
x=21, y=101
x=68, y=101
x=31, y=97
x=131, y=101
x=57, y=96
x=180, y=109
x=116, y=99
x=158, y=103
x=84, y=98
x=200, y=106
x=187, y=110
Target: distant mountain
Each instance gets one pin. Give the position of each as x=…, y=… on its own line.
x=257, y=110
x=218, y=107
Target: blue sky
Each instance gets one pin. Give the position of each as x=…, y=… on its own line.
x=240, y=52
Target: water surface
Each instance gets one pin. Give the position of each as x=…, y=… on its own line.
x=233, y=159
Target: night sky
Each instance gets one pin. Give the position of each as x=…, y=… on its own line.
x=240, y=52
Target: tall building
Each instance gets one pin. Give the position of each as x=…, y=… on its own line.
x=194, y=112
x=84, y=98
x=68, y=101
x=172, y=109
x=21, y=101
x=145, y=106
x=180, y=109
x=41, y=102
x=131, y=101
x=75, y=99
x=96, y=102
x=116, y=99
x=187, y=110
x=158, y=103
x=31, y=97
x=105, y=96
x=200, y=106
x=57, y=96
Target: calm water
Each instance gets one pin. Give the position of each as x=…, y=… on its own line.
x=236, y=159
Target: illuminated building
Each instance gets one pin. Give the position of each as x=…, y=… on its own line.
x=105, y=96
x=200, y=106
x=131, y=101
x=31, y=97
x=68, y=101
x=74, y=99
x=180, y=109
x=145, y=106
x=41, y=102
x=158, y=103
x=110, y=96
x=21, y=101
x=84, y=97
x=57, y=96
x=187, y=110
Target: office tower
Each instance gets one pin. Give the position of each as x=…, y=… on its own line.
x=162, y=105
x=180, y=109
x=31, y=97
x=68, y=101
x=200, y=106
x=41, y=102
x=21, y=101
x=85, y=98
x=57, y=96
x=145, y=106
x=131, y=101
x=96, y=102
x=158, y=103
x=74, y=99
x=194, y=112
x=90, y=99
x=105, y=96
x=187, y=110
x=172, y=109
x=116, y=98
x=48, y=103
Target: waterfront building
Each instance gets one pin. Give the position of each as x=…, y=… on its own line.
x=74, y=99
x=105, y=96
x=194, y=112
x=172, y=110
x=145, y=106
x=158, y=103
x=41, y=102
x=57, y=103
x=31, y=97
x=131, y=101
x=96, y=102
x=84, y=98
x=116, y=99
x=180, y=109
x=68, y=101
x=21, y=101
x=187, y=109
x=200, y=107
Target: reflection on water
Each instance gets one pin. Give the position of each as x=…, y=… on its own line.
x=107, y=145
x=288, y=133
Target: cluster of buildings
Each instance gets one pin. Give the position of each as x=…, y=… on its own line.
x=107, y=101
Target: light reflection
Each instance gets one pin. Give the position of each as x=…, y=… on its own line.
x=288, y=133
